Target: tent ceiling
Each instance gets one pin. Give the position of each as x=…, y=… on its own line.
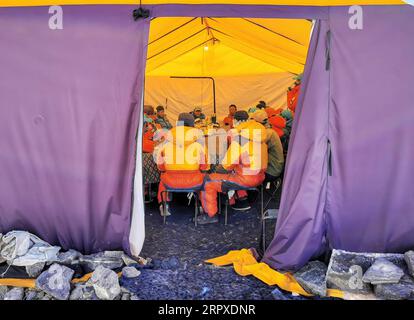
x=18, y=3
x=226, y=46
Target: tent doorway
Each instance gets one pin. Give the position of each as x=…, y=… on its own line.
x=212, y=63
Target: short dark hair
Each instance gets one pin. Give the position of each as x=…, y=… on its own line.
x=149, y=110
x=241, y=115
x=232, y=105
x=160, y=108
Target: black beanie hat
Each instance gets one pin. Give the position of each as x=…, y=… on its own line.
x=187, y=119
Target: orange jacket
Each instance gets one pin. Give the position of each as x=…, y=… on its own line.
x=277, y=122
x=293, y=97
x=228, y=120
x=247, y=154
x=182, y=151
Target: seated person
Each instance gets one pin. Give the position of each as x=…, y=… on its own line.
x=228, y=121
x=288, y=116
x=293, y=94
x=150, y=128
x=197, y=113
x=149, y=114
x=277, y=122
x=182, y=159
x=261, y=105
x=162, y=119
x=245, y=160
x=276, y=159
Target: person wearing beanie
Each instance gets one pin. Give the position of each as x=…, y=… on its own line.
x=162, y=119
x=276, y=159
x=197, y=113
x=182, y=160
x=245, y=161
x=277, y=122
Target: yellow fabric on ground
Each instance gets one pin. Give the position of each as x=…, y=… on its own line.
x=20, y=3
x=245, y=264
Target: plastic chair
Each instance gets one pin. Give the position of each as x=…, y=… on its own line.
x=193, y=191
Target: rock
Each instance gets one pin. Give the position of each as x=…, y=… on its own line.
x=382, y=272
x=1, y=247
x=107, y=259
x=105, y=283
x=30, y=294
x=69, y=257
x=278, y=295
x=346, y=269
x=56, y=281
x=409, y=260
x=83, y=292
x=396, y=291
x=130, y=272
x=134, y=297
x=126, y=296
x=14, y=294
x=3, y=291
x=128, y=260
x=35, y=270
x=312, y=277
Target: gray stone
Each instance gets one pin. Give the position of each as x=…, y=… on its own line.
x=312, y=277
x=126, y=296
x=35, y=269
x=1, y=247
x=128, y=260
x=382, y=272
x=3, y=291
x=31, y=294
x=130, y=272
x=134, y=297
x=396, y=291
x=69, y=257
x=14, y=294
x=107, y=259
x=83, y=292
x=409, y=260
x=105, y=283
x=346, y=269
x=278, y=295
x=56, y=281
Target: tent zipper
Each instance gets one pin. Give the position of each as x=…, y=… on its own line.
x=328, y=50
x=329, y=158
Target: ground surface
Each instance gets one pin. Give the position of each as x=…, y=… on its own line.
x=179, y=249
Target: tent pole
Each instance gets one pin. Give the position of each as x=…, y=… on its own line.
x=214, y=87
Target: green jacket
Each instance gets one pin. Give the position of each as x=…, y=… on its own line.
x=164, y=123
x=276, y=160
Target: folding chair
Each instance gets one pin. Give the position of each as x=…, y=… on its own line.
x=193, y=191
x=271, y=188
x=227, y=202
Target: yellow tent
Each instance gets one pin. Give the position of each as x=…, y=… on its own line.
x=250, y=60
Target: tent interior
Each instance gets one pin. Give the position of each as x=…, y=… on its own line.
x=246, y=60
x=249, y=59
